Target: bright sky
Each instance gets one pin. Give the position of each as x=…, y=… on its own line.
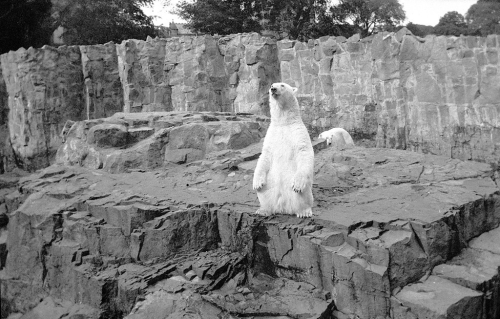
x=426, y=12
x=164, y=17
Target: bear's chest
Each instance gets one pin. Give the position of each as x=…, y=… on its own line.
x=282, y=142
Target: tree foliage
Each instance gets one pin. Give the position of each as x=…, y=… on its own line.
x=484, y=17
x=298, y=19
x=101, y=21
x=420, y=29
x=369, y=16
x=24, y=23
x=220, y=16
x=452, y=23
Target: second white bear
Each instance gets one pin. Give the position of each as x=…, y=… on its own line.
x=338, y=136
x=284, y=174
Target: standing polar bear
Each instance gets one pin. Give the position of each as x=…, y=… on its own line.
x=338, y=136
x=284, y=174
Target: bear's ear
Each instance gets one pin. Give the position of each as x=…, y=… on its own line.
x=294, y=90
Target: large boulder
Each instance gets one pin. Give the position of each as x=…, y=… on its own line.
x=128, y=141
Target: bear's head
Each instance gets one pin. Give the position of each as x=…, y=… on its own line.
x=282, y=101
x=279, y=90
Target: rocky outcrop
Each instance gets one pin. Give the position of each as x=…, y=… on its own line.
x=45, y=88
x=204, y=73
x=435, y=95
x=103, y=89
x=389, y=229
x=130, y=141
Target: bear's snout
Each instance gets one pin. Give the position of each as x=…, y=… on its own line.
x=273, y=89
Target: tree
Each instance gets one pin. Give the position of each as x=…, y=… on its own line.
x=452, y=23
x=484, y=17
x=298, y=19
x=220, y=16
x=369, y=16
x=24, y=23
x=100, y=21
x=419, y=29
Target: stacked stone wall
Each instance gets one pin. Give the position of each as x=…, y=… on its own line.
x=143, y=76
x=435, y=95
x=202, y=73
x=438, y=95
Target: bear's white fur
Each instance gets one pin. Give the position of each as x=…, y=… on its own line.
x=337, y=136
x=284, y=174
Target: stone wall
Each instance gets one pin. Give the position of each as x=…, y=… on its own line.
x=143, y=76
x=333, y=76
x=48, y=86
x=203, y=73
x=436, y=95
x=103, y=88
x=45, y=88
x=252, y=65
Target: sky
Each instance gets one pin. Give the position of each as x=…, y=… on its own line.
x=426, y=12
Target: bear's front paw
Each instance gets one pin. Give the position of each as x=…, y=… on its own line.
x=258, y=182
x=299, y=183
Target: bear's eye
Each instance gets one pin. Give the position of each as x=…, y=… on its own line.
x=282, y=86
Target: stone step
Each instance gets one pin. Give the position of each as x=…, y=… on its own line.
x=467, y=286
x=437, y=298
x=477, y=267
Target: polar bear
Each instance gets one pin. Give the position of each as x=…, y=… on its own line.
x=284, y=173
x=338, y=136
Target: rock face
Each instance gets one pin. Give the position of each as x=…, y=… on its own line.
x=251, y=64
x=230, y=74
x=150, y=214
x=129, y=141
x=143, y=75
x=436, y=95
x=395, y=234
x=4, y=129
x=203, y=73
x=45, y=88
x=103, y=90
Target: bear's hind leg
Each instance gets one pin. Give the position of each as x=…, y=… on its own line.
x=262, y=212
x=305, y=213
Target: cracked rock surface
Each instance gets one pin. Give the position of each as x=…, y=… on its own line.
x=394, y=234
